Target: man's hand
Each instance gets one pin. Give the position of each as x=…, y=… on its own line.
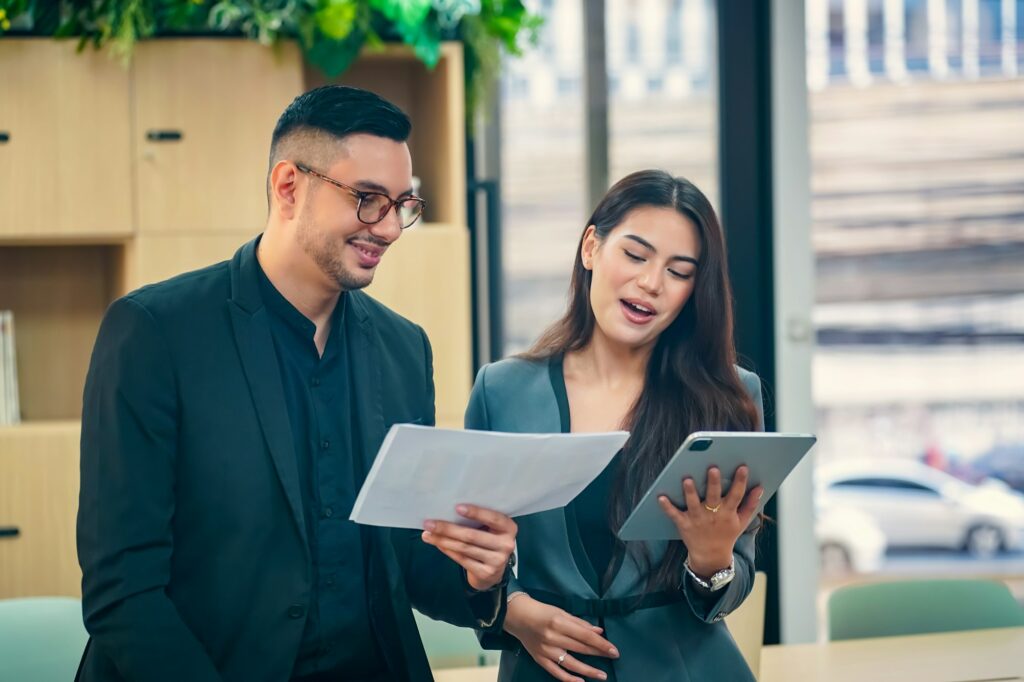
x=483, y=551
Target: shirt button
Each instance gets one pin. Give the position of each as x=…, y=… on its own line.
x=325, y=444
x=328, y=512
x=296, y=611
x=330, y=581
x=316, y=381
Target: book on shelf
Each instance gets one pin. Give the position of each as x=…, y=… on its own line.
x=10, y=412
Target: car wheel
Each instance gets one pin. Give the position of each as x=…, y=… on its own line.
x=984, y=541
x=835, y=561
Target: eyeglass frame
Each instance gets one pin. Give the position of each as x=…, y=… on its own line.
x=361, y=194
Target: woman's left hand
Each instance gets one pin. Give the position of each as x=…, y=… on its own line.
x=710, y=527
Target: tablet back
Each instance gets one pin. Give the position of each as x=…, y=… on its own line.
x=770, y=457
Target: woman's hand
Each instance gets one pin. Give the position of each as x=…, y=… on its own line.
x=710, y=527
x=551, y=636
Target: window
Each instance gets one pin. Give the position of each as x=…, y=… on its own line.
x=918, y=230
x=543, y=180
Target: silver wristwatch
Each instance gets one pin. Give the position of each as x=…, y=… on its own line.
x=718, y=579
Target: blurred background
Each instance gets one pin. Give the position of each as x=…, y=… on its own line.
x=866, y=156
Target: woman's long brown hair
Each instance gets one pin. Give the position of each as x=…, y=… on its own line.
x=691, y=383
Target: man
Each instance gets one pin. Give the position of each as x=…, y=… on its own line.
x=230, y=417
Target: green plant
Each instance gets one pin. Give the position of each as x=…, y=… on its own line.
x=331, y=32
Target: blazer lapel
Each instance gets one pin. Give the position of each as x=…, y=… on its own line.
x=367, y=389
x=259, y=362
x=389, y=616
x=580, y=558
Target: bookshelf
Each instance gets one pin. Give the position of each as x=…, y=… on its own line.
x=92, y=206
x=58, y=294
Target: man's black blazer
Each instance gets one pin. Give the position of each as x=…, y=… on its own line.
x=190, y=530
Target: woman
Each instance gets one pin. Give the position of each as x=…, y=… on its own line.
x=645, y=345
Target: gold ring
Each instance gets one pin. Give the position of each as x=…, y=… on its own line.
x=713, y=509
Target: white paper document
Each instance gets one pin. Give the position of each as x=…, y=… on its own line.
x=421, y=473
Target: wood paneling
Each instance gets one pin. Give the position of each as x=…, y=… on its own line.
x=58, y=295
x=425, y=277
x=223, y=96
x=66, y=169
x=39, y=495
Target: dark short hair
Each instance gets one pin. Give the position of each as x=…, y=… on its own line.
x=340, y=111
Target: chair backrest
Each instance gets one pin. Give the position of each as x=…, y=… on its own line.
x=448, y=646
x=41, y=638
x=747, y=623
x=919, y=607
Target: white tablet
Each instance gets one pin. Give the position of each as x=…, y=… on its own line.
x=770, y=457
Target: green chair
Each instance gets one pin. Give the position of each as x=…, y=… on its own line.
x=449, y=646
x=920, y=606
x=41, y=638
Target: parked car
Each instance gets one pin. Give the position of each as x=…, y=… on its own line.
x=918, y=506
x=1005, y=462
x=849, y=541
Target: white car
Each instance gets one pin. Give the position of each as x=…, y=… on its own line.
x=848, y=541
x=918, y=506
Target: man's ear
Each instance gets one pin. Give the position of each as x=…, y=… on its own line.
x=284, y=190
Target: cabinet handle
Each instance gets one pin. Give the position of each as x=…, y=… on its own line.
x=164, y=135
x=5, y=137
x=9, y=531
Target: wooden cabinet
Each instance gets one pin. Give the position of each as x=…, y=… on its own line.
x=156, y=257
x=65, y=167
x=420, y=278
x=116, y=177
x=58, y=294
x=39, y=497
x=203, y=118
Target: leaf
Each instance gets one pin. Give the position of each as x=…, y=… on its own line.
x=224, y=15
x=336, y=18
x=334, y=56
x=331, y=32
x=405, y=13
x=427, y=45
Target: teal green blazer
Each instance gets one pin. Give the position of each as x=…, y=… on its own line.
x=675, y=642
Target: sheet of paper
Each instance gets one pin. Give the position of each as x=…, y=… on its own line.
x=421, y=473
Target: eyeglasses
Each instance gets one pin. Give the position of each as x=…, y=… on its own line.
x=373, y=207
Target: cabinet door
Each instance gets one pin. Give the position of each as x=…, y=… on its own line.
x=39, y=497
x=425, y=278
x=155, y=257
x=65, y=159
x=204, y=113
